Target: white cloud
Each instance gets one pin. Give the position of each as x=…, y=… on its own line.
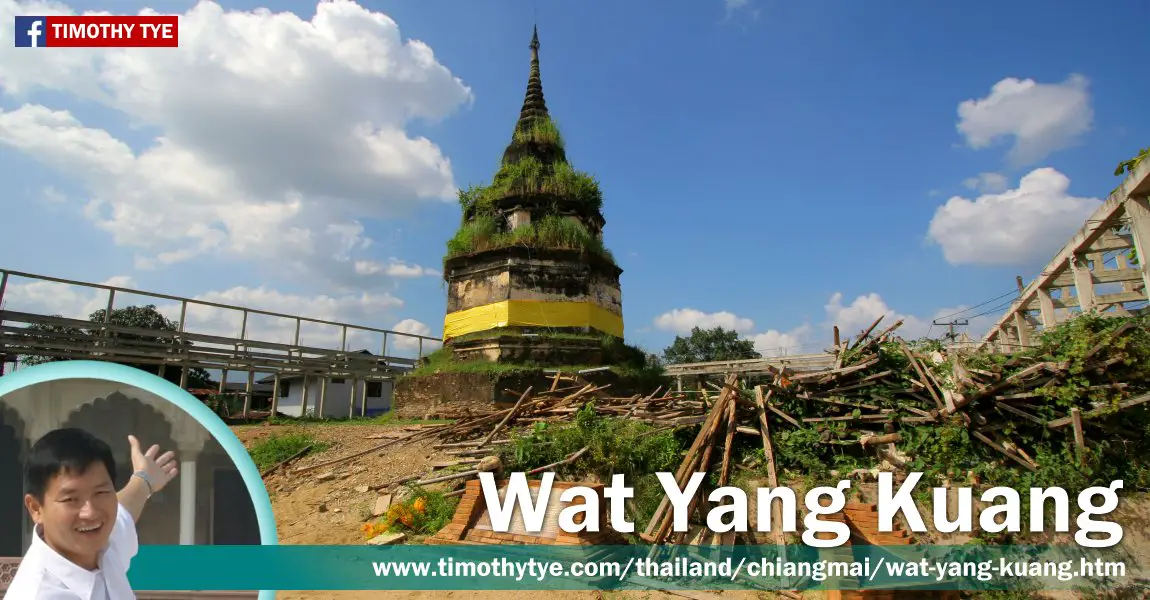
x=682, y=320
x=777, y=343
x=394, y=268
x=274, y=136
x=414, y=327
x=1018, y=226
x=855, y=317
x=365, y=309
x=769, y=343
x=1040, y=117
x=987, y=182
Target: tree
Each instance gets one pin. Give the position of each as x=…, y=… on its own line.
x=706, y=345
x=140, y=317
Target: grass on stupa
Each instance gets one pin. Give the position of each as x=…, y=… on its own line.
x=529, y=175
x=542, y=132
x=553, y=232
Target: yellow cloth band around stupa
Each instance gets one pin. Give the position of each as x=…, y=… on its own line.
x=531, y=313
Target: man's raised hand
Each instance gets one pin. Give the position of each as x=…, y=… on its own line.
x=159, y=468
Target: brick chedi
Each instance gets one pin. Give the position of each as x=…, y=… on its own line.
x=528, y=277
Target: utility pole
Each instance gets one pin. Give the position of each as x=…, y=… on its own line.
x=950, y=325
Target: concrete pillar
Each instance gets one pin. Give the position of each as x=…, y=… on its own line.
x=1022, y=328
x=1046, y=307
x=187, y=479
x=1083, y=283
x=1138, y=210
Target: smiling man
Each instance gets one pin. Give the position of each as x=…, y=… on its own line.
x=85, y=534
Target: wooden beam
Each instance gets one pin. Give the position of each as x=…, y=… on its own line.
x=1106, y=410
x=1079, y=436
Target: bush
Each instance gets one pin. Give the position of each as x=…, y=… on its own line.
x=277, y=448
x=616, y=446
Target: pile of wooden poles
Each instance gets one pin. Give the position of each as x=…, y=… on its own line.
x=878, y=386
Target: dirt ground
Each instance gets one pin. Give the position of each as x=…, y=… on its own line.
x=310, y=511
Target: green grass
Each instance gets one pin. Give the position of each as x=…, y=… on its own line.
x=529, y=175
x=482, y=233
x=276, y=448
x=542, y=131
x=617, y=446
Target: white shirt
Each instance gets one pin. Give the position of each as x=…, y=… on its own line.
x=46, y=575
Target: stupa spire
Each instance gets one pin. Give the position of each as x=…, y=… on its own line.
x=534, y=106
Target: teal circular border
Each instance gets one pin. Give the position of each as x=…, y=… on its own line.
x=88, y=369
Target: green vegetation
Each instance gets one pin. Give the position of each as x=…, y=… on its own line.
x=541, y=132
x=424, y=512
x=483, y=233
x=528, y=175
x=705, y=345
x=1117, y=449
x=615, y=447
x=277, y=448
x=643, y=369
x=1128, y=166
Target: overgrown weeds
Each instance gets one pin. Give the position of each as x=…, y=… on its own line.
x=277, y=448
x=1117, y=445
x=483, y=233
x=616, y=446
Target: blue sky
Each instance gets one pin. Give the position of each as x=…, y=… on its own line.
x=774, y=167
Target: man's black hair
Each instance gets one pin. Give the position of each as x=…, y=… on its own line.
x=64, y=450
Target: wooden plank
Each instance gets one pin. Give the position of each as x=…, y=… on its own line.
x=1063, y=422
x=772, y=475
x=922, y=375
x=510, y=414
x=989, y=442
x=1079, y=435
x=1029, y=417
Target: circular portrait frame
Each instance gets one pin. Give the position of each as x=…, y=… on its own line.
x=87, y=369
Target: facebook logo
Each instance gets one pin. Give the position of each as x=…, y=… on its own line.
x=30, y=32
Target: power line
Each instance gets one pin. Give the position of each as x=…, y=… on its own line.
x=999, y=308
x=999, y=297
